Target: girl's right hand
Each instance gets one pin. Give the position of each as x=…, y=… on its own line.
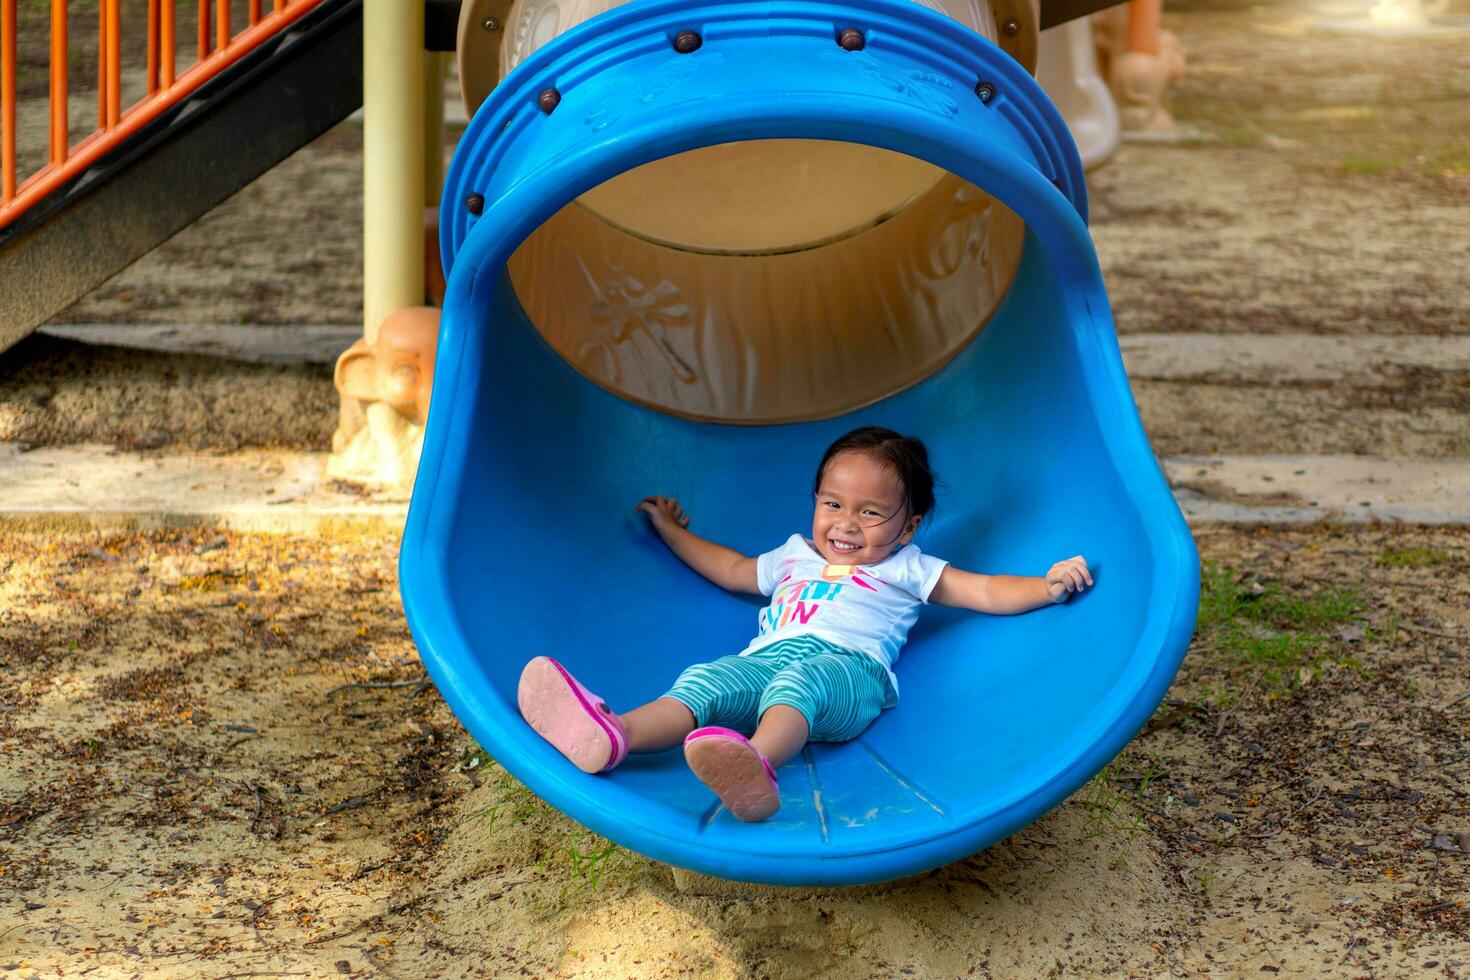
x=1066, y=577
x=664, y=510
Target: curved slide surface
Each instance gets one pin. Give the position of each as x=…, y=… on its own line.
x=522, y=539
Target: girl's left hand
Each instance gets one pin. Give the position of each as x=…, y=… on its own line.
x=1066, y=577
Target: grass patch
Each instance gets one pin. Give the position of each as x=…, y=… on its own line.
x=1367, y=164
x=1432, y=161
x=1266, y=634
x=1204, y=886
x=1237, y=136
x=579, y=866
x=1113, y=807
x=591, y=862
x=1449, y=161
x=1326, y=608
x=512, y=804
x=1415, y=557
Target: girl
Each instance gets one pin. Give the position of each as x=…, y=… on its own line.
x=820, y=668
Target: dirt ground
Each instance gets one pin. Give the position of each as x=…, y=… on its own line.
x=222, y=759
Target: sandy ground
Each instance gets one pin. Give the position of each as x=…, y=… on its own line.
x=57, y=392
x=223, y=760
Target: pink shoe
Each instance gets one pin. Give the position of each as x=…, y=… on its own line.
x=579, y=723
x=726, y=762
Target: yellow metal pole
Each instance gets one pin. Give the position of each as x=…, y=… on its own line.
x=393, y=159
x=434, y=70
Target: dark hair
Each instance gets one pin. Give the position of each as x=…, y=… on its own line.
x=904, y=455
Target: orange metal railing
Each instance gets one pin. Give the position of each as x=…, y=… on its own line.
x=218, y=48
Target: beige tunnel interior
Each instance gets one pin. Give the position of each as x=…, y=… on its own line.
x=765, y=281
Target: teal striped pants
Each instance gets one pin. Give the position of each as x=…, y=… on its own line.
x=838, y=691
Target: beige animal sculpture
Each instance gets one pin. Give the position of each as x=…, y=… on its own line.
x=385, y=386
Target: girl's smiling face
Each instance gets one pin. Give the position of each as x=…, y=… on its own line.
x=860, y=516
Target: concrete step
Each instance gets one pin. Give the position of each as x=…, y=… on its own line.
x=252, y=490
x=289, y=344
x=282, y=491
x=1307, y=489
x=1284, y=357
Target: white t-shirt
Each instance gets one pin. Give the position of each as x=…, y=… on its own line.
x=865, y=608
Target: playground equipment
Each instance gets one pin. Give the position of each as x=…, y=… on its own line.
x=79, y=204
x=686, y=246
x=76, y=212
x=1067, y=69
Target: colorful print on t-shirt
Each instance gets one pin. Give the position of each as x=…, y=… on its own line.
x=798, y=600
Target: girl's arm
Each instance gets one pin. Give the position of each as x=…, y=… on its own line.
x=1007, y=594
x=725, y=567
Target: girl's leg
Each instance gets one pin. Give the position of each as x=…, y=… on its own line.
x=781, y=734
x=742, y=772
x=724, y=693
x=832, y=697
x=658, y=725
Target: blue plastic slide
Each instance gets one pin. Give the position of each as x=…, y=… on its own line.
x=522, y=539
